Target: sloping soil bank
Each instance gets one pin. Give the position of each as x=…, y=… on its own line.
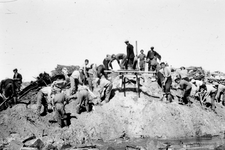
x=122, y=118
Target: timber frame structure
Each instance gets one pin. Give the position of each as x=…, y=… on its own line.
x=134, y=72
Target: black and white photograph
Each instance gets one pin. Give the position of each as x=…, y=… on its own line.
x=112, y=75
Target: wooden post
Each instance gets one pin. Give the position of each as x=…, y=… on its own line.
x=138, y=87
x=136, y=47
x=124, y=85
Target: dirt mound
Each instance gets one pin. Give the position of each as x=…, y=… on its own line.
x=128, y=116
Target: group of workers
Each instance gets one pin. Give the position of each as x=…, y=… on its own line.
x=89, y=78
x=129, y=60
x=200, y=89
x=87, y=83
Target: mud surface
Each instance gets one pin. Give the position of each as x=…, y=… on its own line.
x=121, y=120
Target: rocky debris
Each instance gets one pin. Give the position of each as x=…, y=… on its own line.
x=58, y=69
x=15, y=145
x=123, y=118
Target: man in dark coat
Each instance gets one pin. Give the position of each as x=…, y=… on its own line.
x=152, y=57
x=130, y=54
x=17, y=78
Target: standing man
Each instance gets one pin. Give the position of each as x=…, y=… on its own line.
x=167, y=82
x=17, y=78
x=88, y=75
x=152, y=57
x=130, y=55
x=142, y=58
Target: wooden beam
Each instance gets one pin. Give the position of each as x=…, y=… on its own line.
x=137, y=84
x=130, y=71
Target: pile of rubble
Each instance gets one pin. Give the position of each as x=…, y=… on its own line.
x=58, y=69
x=124, y=117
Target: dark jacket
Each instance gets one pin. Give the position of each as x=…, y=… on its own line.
x=130, y=51
x=153, y=53
x=19, y=76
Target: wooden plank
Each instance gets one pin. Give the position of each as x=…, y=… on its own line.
x=137, y=84
x=124, y=86
x=129, y=71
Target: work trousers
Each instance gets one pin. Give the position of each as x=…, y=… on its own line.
x=212, y=96
x=18, y=85
x=167, y=88
x=60, y=113
x=123, y=63
x=168, y=85
x=73, y=85
x=41, y=100
x=90, y=81
x=107, y=93
x=186, y=95
x=130, y=63
x=150, y=66
x=219, y=98
x=82, y=100
x=142, y=65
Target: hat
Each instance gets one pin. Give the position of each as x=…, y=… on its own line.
x=15, y=69
x=126, y=41
x=142, y=50
x=162, y=63
x=152, y=47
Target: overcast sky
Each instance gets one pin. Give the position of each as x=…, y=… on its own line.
x=36, y=35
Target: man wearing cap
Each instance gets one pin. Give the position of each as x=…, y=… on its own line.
x=130, y=55
x=151, y=58
x=17, y=78
x=142, y=57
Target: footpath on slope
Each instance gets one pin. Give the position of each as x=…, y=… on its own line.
x=123, y=117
